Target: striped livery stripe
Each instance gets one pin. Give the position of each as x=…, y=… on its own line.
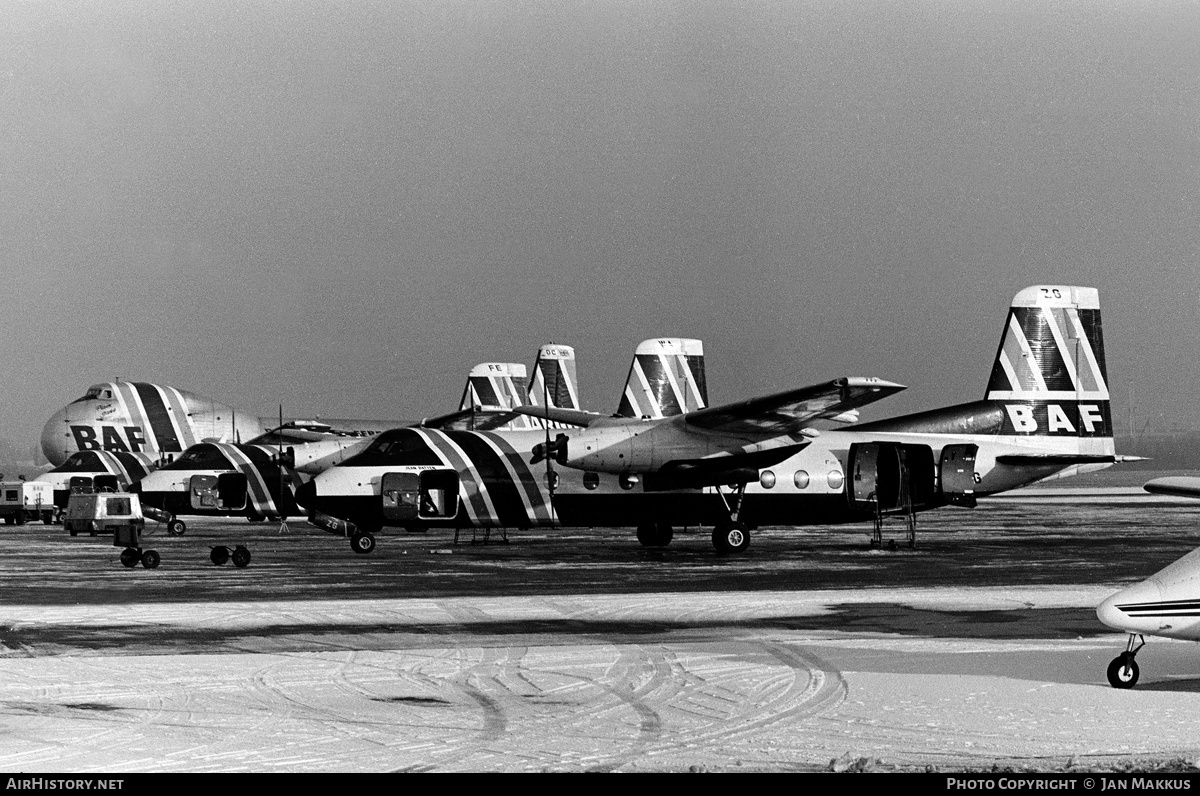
x=497, y=487
x=476, y=501
x=127, y=467
x=1051, y=351
x=1168, y=608
x=161, y=412
x=538, y=510
x=262, y=498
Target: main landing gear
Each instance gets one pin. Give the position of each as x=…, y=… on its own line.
x=731, y=536
x=239, y=554
x=1123, y=671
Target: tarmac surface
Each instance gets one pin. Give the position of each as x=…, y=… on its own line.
x=569, y=650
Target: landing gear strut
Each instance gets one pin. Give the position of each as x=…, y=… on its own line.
x=1123, y=671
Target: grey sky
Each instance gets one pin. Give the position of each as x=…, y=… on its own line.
x=343, y=206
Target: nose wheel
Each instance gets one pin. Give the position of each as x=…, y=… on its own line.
x=1123, y=671
x=362, y=543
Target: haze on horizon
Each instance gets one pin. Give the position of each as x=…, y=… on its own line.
x=341, y=207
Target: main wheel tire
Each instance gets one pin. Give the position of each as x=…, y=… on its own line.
x=645, y=534
x=150, y=559
x=241, y=556
x=663, y=534
x=130, y=557
x=1123, y=671
x=255, y=517
x=176, y=528
x=730, y=537
x=362, y=543
x=219, y=555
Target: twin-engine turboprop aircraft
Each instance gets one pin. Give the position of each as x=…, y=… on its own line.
x=258, y=479
x=1046, y=413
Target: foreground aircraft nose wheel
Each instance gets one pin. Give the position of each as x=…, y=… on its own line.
x=241, y=556
x=130, y=557
x=176, y=527
x=731, y=537
x=362, y=542
x=219, y=555
x=150, y=559
x=1123, y=671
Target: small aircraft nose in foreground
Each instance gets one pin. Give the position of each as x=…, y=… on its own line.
x=1165, y=604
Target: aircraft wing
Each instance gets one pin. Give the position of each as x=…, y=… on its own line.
x=788, y=412
x=574, y=417
x=1181, y=485
x=467, y=418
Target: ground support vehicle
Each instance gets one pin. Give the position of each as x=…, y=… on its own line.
x=21, y=501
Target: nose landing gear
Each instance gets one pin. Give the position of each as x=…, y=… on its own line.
x=1123, y=671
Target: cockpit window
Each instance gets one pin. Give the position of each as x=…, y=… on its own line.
x=399, y=446
x=97, y=392
x=81, y=462
x=200, y=457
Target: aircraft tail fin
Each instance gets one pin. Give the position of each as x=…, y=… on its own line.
x=666, y=378
x=495, y=386
x=553, y=380
x=1049, y=373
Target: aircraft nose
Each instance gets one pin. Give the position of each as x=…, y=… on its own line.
x=1128, y=619
x=56, y=438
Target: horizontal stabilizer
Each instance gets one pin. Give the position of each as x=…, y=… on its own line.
x=572, y=417
x=1184, y=486
x=1053, y=459
x=788, y=412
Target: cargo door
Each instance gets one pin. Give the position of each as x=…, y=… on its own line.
x=203, y=491
x=231, y=491
x=864, y=475
x=439, y=495
x=956, y=473
x=920, y=474
x=105, y=483
x=400, y=493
